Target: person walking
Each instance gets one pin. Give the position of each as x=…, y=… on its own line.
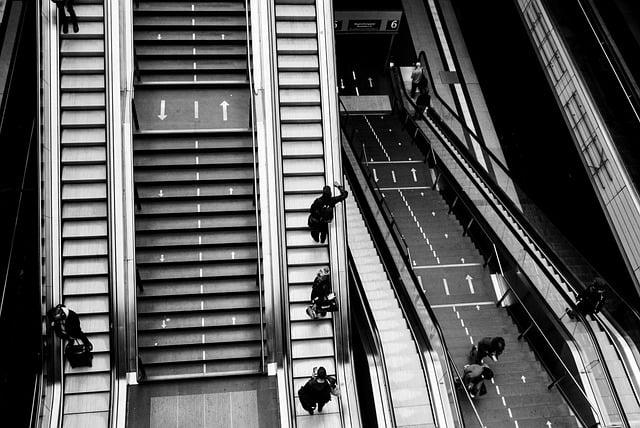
x=322, y=299
x=68, y=4
x=473, y=379
x=418, y=79
x=317, y=390
x=591, y=299
x=487, y=347
x=66, y=325
x=321, y=212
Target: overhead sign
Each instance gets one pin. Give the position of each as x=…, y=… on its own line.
x=354, y=21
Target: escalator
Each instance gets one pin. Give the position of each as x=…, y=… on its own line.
x=199, y=301
x=83, y=208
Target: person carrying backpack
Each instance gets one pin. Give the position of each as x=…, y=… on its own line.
x=473, y=379
x=487, y=347
x=68, y=4
x=322, y=299
x=317, y=390
x=591, y=300
x=321, y=212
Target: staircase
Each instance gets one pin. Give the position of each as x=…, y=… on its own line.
x=84, y=211
x=199, y=302
x=409, y=393
x=303, y=175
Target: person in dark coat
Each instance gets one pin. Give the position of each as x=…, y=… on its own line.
x=66, y=325
x=591, y=299
x=322, y=299
x=317, y=391
x=68, y=4
x=487, y=347
x=321, y=212
x=422, y=102
x=473, y=379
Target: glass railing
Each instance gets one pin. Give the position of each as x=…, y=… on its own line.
x=544, y=330
x=411, y=294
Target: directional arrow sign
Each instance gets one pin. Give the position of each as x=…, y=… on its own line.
x=341, y=84
x=160, y=193
x=233, y=255
x=231, y=190
x=162, y=257
x=470, y=282
x=224, y=105
x=164, y=324
x=413, y=172
x=375, y=175
x=462, y=259
x=222, y=36
x=162, y=115
x=549, y=424
x=370, y=82
x=159, y=36
x=524, y=379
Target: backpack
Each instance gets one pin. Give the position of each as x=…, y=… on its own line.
x=326, y=212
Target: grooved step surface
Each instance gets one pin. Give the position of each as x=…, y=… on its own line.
x=85, y=255
x=199, y=303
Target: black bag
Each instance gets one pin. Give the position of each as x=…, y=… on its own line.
x=78, y=355
x=483, y=390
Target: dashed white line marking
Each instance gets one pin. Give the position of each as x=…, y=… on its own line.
x=200, y=272
x=199, y=240
x=446, y=286
x=197, y=176
x=199, y=223
x=196, y=112
x=504, y=403
x=198, y=192
x=200, y=258
x=197, y=160
x=198, y=208
x=193, y=21
x=510, y=414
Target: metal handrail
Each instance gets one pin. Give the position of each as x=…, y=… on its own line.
x=374, y=330
x=254, y=149
x=588, y=329
x=452, y=363
x=17, y=219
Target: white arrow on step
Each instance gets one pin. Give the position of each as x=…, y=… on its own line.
x=470, y=282
x=393, y=175
x=224, y=105
x=549, y=424
x=159, y=36
x=413, y=172
x=375, y=175
x=370, y=82
x=341, y=84
x=524, y=379
x=160, y=193
x=222, y=36
x=231, y=190
x=162, y=115
x=462, y=259
x=162, y=257
x=233, y=255
x=164, y=324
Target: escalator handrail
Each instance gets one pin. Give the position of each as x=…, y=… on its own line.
x=397, y=82
x=374, y=330
x=256, y=202
x=399, y=240
x=539, y=240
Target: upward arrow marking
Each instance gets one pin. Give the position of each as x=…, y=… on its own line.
x=413, y=172
x=224, y=105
